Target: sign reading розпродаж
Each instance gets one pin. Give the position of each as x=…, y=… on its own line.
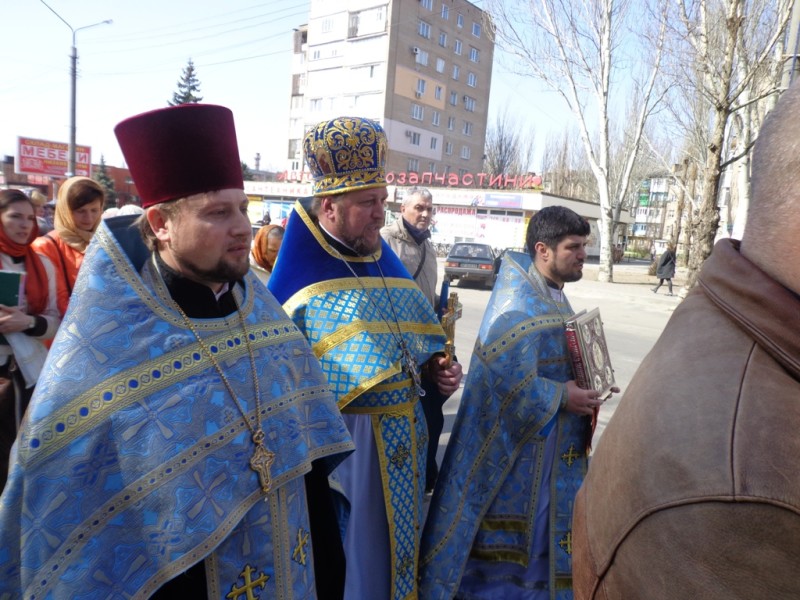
x=45, y=157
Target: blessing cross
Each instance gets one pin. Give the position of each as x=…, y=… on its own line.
x=249, y=585
x=449, y=318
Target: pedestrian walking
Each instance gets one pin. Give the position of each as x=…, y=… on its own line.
x=665, y=270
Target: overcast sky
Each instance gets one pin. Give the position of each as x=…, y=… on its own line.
x=241, y=50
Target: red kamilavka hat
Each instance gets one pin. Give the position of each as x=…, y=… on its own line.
x=181, y=150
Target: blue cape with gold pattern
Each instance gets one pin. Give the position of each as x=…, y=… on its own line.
x=488, y=488
x=133, y=463
x=352, y=324
x=350, y=321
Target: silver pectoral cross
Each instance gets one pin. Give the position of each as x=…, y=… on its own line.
x=412, y=370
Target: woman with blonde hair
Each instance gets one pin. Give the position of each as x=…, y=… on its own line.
x=79, y=210
x=25, y=321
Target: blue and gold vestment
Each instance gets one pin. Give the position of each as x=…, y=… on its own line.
x=352, y=324
x=514, y=461
x=134, y=462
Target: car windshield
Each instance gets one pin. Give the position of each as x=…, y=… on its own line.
x=471, y=251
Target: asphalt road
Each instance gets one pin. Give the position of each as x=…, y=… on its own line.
x=633, y=318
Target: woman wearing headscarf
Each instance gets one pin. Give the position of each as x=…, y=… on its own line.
x=79, y=210
x=265, y=251
x=26, y=323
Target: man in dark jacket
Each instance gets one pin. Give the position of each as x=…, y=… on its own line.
x=694, y=490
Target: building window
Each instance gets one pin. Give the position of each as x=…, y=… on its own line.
x=432, y=167
x=460, y=20
x=443, y=39
x=476, y=30
x=436, y=118
x=472, y=79
x=420, y=87
x=327, y=25
x=448, y=148
x=421, y=57
x=426, y=4
x=456, y=72
x=417, y=112
x=437, y=93
x=440, y=65
x=424, y=30
x=445, y=12
x=433, y=143
x=457, y=47
x=315, y=104
x=416, y=138
x=465, y=152
x=474, y=55
x=413, y=165
x=469, y=104
x=451, y=123
x=467, y=128
x=315, y=55
x=454, y=98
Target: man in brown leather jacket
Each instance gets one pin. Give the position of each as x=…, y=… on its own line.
x=694, y=491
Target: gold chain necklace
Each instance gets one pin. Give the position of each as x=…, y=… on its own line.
x=262, y=459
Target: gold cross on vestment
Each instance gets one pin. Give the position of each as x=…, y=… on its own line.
x=249, y=585
x=570, y=456
x=400, y=456
x=566, y=543
x=299, y=555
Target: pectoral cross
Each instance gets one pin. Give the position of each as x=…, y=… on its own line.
x=411, y=368
x=261, y=461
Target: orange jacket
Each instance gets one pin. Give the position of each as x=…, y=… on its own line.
x=66, y=262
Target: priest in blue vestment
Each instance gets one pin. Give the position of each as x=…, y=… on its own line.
x=378, y=338
x=180, y=437
x=499, y=524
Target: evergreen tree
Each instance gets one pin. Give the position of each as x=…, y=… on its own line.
x=247, y=174
x=102, y=177
x=188, y=87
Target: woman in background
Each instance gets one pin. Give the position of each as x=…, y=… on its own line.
x=79, y=210
x=34, y=316
x=265, y=251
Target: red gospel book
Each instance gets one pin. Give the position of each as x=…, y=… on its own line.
x=591, y=364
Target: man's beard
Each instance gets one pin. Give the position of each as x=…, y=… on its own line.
x=362, y=247
x=222, y=272
x=567, y=276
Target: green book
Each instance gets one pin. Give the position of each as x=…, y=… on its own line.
x=10, y=287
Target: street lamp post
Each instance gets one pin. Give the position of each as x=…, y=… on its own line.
x=73, y=88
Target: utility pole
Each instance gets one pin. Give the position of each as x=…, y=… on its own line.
x=73, y=89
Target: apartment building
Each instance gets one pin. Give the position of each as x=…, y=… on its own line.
x=422, y=68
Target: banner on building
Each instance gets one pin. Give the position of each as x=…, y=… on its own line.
x=44, y=157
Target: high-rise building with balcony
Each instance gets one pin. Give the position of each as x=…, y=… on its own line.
x=422, y=68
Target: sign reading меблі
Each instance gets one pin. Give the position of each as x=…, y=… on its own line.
x=43, y=157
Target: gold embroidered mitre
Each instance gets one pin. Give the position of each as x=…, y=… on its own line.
x=346, y=154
